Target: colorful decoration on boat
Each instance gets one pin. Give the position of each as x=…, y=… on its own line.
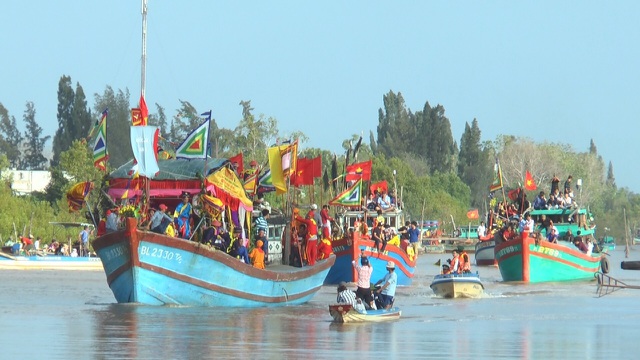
x=76, y=196
x=195, y=145
x=144, y=142
x=352, y=197
x=497, y=177
x=361, y=170
x=99, y=143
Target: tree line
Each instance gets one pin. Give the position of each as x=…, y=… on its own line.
x=437, y=177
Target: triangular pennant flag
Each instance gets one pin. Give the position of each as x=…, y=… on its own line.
x=497, y=177
x=194, y=146
x=352, y=197
x=99, y=144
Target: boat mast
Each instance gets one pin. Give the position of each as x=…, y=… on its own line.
x=144, y=48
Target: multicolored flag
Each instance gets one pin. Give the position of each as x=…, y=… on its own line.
x=77, y=195
x=195, y=145
x=352, y=197
x=497, y=178
x=289, y=155
x=136, y=117
x=264, y=182
x=361, y=170
x=529, y=184
x=99, y=143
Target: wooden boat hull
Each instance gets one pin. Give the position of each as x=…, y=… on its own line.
x=457, y=286
x=484, y=253
x=347, y=250
x=50, y=262
x=344, y=313
x=154, y=269
x=529, y=261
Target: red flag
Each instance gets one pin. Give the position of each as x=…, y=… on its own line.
x=236, y=162
x=381, y=187
x=304, y=172
x=361, y=170
x=513, y=194
x=317, y=167
x=144, y=112
x=473, y=214
x=529, y=184
x=136, y=117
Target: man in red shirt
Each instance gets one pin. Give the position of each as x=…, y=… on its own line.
x=311, y=238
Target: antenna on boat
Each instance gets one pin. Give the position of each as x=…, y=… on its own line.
x=143, y=79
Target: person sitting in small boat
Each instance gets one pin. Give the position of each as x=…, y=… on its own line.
x=364, y=270
x=346, y=296
x=446, y=269
x=387, y=292
x=465, y=263
x=257, y=256
x=455, y=262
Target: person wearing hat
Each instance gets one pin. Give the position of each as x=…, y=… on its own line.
x=311, y=237
x=387, y=292
x=159, y=220
x=345, y=296
x=326, y=222
x=262, y=238
x=182, y=215
x=250, y=171
x=257, y=256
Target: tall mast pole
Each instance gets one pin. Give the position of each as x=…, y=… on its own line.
x=144, y=48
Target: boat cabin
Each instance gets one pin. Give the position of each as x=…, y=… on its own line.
x=566, y=219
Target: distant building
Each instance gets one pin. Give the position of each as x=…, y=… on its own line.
x=25, y=182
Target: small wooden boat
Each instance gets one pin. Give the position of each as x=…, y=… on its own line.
x=457, y=285
x=344, y=313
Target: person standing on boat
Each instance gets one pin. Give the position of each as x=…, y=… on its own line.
x=414, y=237
x=482, y=230
x=455, y=262
x=388, y=291
x=326, y=222
x=311, y=237
x=112, y=220
x=364, y=270
x=257, y=256
x=160, y=220
x=182, y=215
x=529, y=224
x=262, y=238
x=567, y=184
x=317, y=217
x=376, y=235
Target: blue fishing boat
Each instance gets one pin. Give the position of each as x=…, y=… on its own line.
x=350, y=247
x=154, y=269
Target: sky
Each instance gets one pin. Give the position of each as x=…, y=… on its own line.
x=556, y=71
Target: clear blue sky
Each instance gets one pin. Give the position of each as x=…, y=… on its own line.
x=564, y=71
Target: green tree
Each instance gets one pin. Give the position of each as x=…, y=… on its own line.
x=33, y=157
x=81, y=115
x=396, y=132
x=611, y=179
x=252, y=135
x=10, y=138
x=66, y=127
x=436, y=144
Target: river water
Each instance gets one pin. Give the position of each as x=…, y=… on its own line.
x=73, y=315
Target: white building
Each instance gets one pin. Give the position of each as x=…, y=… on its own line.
x=27, y=181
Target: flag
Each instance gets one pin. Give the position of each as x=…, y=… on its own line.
x=99, y=144
x=529, y=184
x=514, y=194
x=144, y=142
x=144, y=112
x=77, y=194
x=317, y=167
x=195, y=145
x=275, y=165
x=351, y=197
x=497, y=177
x=251, y=182
x=289, y=154
x=237, y=163
x=361, y=170
x=136, y=117
x=264, y=182
x=304, y=172
x=380, y=186
x=473, y=214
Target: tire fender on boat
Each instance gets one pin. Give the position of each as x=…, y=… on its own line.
x=604, y=265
